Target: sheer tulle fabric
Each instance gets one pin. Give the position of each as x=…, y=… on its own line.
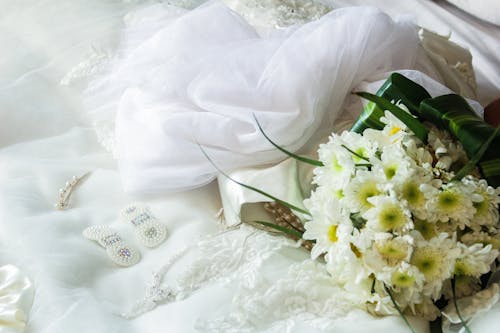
x=198, y=77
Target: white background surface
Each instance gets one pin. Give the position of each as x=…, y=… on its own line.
x=42, y=144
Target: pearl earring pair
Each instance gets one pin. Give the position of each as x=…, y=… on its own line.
x=149, y=231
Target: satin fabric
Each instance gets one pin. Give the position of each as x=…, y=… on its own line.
x=16, y=297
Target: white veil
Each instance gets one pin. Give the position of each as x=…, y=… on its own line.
x=188, y=77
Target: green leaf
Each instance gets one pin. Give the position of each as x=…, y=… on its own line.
x=491, y=169
x=396, y=87
x=357, y=220
x=284, y=203
x=291, y=232
x=413, y=123
x=289, y=153
x=466, y=169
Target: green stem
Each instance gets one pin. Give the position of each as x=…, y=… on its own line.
x=289, y=153
x=399, y=309
x=291, y=232
x=453, y=289
x=284, y=203
x=355, y=154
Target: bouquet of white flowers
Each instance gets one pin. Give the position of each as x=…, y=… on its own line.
x=400, y=212
x=393, y=225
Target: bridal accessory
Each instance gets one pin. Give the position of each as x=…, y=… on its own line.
x=148, y=230
x=117, y=249
x=68, y=189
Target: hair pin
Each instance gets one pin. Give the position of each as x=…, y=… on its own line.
x=67, y=190
x=117, y=249
x=150, y=232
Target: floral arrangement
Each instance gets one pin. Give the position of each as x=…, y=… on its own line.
x=405, y=205
x=393, y=226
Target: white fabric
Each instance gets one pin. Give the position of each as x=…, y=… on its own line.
x=77, y=288
x=483, y=40
x=488, y=10
x=16, y=297
x=189, y=81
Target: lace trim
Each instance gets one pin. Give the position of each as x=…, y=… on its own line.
x=95, y=63
x=278, y=13
x=235, y=255
x=306, y=294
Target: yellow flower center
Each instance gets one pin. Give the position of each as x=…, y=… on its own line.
x=332, y=233
x=448, y=201
x=428, y=261
x=355, y=250
x=412, y=194
x=394, y=130
x=463, y=268
x=481, y=207
x=392, y=251
x=426, y=229
x=390, y=171
x=339, y=194
x=391, y=217
x=402, y=279
x=336, y=166
x=366, y=191
x=361, y=152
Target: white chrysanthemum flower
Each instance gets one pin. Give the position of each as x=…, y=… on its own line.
x=346, y=266
x=452, y=203
x=394, y=250
x=436, y=260
x=393, y=163
x=338, y=164
x=386, y=252
x=410, y=190
x=486, y=238
x=365, y=185
x=336, y=157
x=381, y=304
x=329, y=224
x=407, y=276
x=387, y=215
x=474, y=260
x=394, y=128
x=360, y=148
x=406, y=283
x=419, y=154
x=446, y=149
x=393, y=132
x=486, y=200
